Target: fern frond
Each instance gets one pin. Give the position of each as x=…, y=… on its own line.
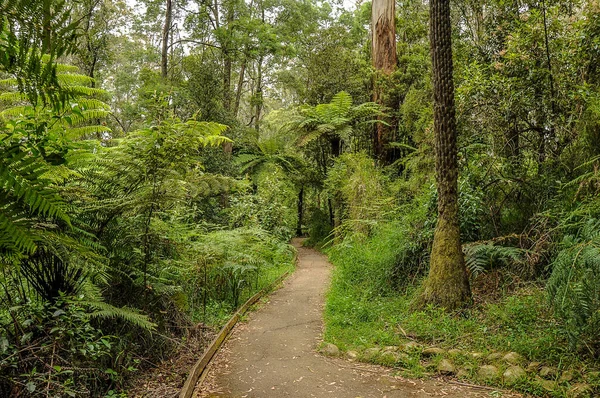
x=130, y=315
x=13, y=96
x=76, y=133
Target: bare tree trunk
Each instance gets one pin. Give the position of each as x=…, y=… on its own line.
x=164, y=60
x=227, y=80
x=258, y=95
x=447, y=284
x=228, y=57
x=384, y=35
x=240, y=85
x=384, y=58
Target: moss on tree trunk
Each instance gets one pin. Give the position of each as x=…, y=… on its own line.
x=447, y=284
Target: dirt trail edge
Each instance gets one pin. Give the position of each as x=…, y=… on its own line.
x=274, y=353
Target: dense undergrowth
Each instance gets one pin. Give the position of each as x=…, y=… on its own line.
x=516, y=308
x=148, y=191
x=368, y=307
x=118, y=247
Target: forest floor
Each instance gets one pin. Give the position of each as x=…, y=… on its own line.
x=274, y=353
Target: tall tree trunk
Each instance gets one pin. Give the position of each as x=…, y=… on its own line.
x=240, y=85
x=258, y=95
x=164, y=60
x=227, y=80
x=447, y=284
x=228, y=56
x=300, y=211
x=47, y=26
x=336, y=146
x=384, y=58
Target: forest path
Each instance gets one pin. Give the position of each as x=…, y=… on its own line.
x=274, y=353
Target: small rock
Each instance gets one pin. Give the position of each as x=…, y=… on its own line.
x=469, y=367
x=389, y=358
x=580, y=390
x=433, y=351
x=331, y=350
x=454, y=352
x=494, y=356
x=446, y=367
x=547, y=372
x=513, y=374
x=390, y=348
x=463, y=374
x=476, y=355
x=547, y=385
x=513, y=358
x=566, y=376
x=411, y=346
x=533, y=367
x=371, y=353
x=352, y=355
x=487, y=372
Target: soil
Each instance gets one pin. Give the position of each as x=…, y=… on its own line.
x=166, y=378
x=274, y=353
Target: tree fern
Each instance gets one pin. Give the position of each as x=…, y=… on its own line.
x=482, y=257
x=74, y=119
x=26, y=196
x=336, y=119
x=574, y=287
x=104, y=310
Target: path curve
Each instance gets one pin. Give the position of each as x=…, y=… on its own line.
x=273, y=353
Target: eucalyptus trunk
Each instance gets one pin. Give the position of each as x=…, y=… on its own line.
x=447, y=284
x=384, y=59
x=164, y=59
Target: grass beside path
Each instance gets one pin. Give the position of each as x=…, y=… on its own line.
x=362, y=313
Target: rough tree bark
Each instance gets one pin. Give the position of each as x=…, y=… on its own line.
x=447, y=284
x=300, y=211
x=164, y=59
x=384, y=58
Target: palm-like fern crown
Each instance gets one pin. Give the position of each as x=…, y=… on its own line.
x=270, y=152
x=35, y=139
x=339, y=117
x=77, y=118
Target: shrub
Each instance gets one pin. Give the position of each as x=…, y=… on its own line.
x=574, y=287
x=53, y=349
x=319, y=228
x=359, y=191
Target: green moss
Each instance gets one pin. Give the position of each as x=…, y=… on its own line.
x=447, y=285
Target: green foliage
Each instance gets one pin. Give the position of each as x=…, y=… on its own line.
x=26, y=193
x=319, y=228
x=574, y=288
x=231, y=265
x=271, y=206
x=336, y=119
x=269, y=152
x=359, y=192
x=80, y=355
x=482, y=257
x=33, y=35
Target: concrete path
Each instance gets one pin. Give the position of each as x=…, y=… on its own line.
x=274, y=353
